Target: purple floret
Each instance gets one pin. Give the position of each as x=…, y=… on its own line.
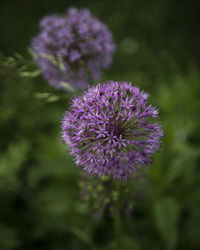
x=73, y=48
x=111, y=130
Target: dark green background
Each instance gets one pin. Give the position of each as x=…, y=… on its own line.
x=158, y=49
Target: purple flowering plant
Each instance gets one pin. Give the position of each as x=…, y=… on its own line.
x=72, y=49
x=111, y=130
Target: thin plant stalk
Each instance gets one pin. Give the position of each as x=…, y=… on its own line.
x=117, y=219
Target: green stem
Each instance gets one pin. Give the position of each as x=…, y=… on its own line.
x=117, y=217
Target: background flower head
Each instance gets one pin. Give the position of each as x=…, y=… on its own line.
x=73, y=48
x=111, y=129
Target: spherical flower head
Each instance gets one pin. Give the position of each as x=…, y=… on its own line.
x=72, y=49
x=111, y=130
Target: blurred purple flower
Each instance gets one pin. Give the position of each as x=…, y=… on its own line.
x=110, y=130
x=73, y=49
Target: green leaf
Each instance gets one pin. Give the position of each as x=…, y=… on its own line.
x=42, y=95
x=61, y=64
x=32, y=74
x=166, y=213
x=67, y=86
x=49, y=98
x=81, y=235
x=53, y=98
x=32, y=53
x=11, y=162
x=18, y=56
x=50, y=58
x=179, y=167
x=8, y=237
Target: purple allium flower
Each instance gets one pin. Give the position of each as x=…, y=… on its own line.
x=111, y=130
x=73, y=49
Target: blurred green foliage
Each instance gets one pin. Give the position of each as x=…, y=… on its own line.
x=40, y=206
